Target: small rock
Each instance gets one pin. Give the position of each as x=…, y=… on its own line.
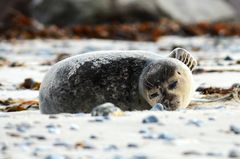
x=157, y=107
x=53, y=129
x=150, y=119
x=211, y=119
x=228, y=58
x=29, y=83
x=192, y=153
x=52, y=117
x=39, y=137
x=16, y=64
x=214, y=154
x=23, y=127
x=3, y=147
x=235, y=129
x=99, y=119
x=166, y=137
x=132, y=145
x=195, y=122
x=93, y=137
x=234, y=154
x=111, y=148
x=38, y=150
x=84, y=145
x=106, y=109
x=74, y=127
x=55, y=157
x=62, y=144
x=143, y=131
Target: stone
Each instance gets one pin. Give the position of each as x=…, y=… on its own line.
x=150, y=119
x=105, y=109
x=68, y=12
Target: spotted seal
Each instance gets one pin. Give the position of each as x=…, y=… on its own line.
x=132, y=80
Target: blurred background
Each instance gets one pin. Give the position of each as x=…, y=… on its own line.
x=139, y=20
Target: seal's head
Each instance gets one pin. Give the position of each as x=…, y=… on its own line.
x=167, y=81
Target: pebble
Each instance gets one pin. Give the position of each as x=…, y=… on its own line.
x=191, y=153
x=228, y=58
x=196, y=122
x=55, y=157
x=39, y=149
x=53, y=129
x=234, y=153
x=150, y=119
x=166, y=137
x=111, y=148
x=157, y=107
x=3, y=146
x=132, y=145
x=93, y=137
x=74, y=127
x=105, y=109
x=214, y=154
x=235, y=129
x=23, y=127
x=62, y=144
x=39, y=137
x=211, y=119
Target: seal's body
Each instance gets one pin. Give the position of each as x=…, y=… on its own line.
x=125, y=78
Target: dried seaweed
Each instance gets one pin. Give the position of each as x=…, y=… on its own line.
x=22, y=27
x=20, y=106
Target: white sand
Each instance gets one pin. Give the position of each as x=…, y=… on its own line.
x=202, y=133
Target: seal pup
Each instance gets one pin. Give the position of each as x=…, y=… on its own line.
x=132, y=80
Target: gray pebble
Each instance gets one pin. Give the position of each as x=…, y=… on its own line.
x=74, y=127
x=105, y=109
x=93, y=137
x=234, y=154
x=166, y=137
x=55, y=157
x=132, y=145
x=39, y=137
x=150, y=119
x=38, y=150
x=23, y=127
x=3, y=146
x=228, y=58
x=192, y=153
x=195, y=122
x=111, y=148
x=157, y=107
x=214, y=154
x=235, y=129
x=62, y=144
x=53, y=129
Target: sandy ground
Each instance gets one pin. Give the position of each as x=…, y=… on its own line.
x=207, y=130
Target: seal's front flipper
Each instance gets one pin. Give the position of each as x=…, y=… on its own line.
x=184, y=56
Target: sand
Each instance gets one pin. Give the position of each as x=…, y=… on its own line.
x=206, y=130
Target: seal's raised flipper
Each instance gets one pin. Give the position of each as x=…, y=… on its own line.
x=184, y=56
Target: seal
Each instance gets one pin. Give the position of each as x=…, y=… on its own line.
x=132, y=80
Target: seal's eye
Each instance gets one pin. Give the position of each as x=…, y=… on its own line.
x=153, y=95
x=172, y=85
